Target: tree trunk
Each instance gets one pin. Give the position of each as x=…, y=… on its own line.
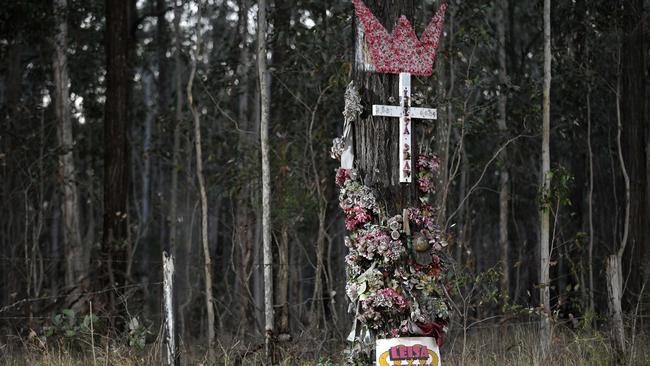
x=463, y=224
x=162, y=40
x=244, y=218
x=633, y=114
x=282, y=293
x=442, y=132
x=504, y=175
x=178, y=75
x=544, y=245
x=590, y=199
x=614, y=294
x=76, y=258
x=114, y=243
x=376, y=147
x=614, y=262
x=265, y=100
x=171, y=339
x=148, y=89
x=320, y=294
x=207, y=258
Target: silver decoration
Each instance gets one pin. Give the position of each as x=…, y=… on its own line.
x=352, y=110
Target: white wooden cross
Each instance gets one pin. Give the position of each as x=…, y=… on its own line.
x=405, y=113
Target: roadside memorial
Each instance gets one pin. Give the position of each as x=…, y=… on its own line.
x=395, y=262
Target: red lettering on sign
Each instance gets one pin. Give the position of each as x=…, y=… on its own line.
x=409, y=353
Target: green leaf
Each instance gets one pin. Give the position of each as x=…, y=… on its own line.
x=49, y=331
x=57, y=320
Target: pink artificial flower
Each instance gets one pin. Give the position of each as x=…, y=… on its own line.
x=425, y=185
x=430, y=163
x=361, y=215
x=396, y=298
x=435, y=163
x=350, y=223
x=342, y=175
x=422, y=162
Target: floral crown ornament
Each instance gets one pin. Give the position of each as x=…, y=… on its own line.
x=401, y=51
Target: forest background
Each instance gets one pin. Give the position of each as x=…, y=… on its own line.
x=99, y=175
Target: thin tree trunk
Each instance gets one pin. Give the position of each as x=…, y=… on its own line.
x=207, y=266
x=116, y=179
x=171, y=339
x=55, y=251
x=76, y=264
x=590, y=198
x=504, y=174
x=317, y=305
x=614, y=268
x=544, y=281
x=265, y=100
x=176, y=155
x=635, y=125
x=178, y=73
x=442, y=128
x=162, y=41
x=462, y=219
x=282, y=293
x=614, y=295
x=318, y=298
x=149, y=100
x=244, y=218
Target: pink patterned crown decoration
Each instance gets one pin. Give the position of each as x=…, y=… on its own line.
x=401, y=51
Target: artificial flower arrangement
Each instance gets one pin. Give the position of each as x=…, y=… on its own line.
x=394, y=265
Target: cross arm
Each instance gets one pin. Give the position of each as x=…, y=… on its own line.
x=424, y=113
x=396, y=111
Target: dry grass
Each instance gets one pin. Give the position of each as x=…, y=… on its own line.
x=512, y=345
x=507, y=345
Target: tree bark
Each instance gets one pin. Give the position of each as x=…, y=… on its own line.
x=150, y=116
x=504, y=174
x=207, y=258
x=544, y=246
x=590, y=198
x=614, y=268
x=172, y=244
x=171, y=339
x=244, y=218
x=376, y=139
x=116, y=179
x=265, y=101
x=446, y=74
x=614, y=294
x=178, y=118
x=162, y=40
x=76, y=256
x=282, y=293
x=633, y=114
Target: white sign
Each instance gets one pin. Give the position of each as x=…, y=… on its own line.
x=416, y=351
x=405, y=113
